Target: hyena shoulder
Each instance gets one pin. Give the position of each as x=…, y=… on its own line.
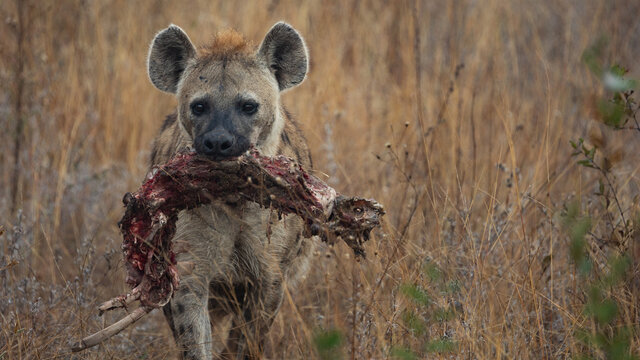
x=169, y=140
x=293, y=143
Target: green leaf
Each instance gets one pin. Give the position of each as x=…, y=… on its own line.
x=416, y=294
x=604, y=312
x=619, y=266
x=585, y=265
x=620, y=345
x=327, y=344
x=433, y=272
x=413, y=322
x=611, y=113
x=592, y=55
x=442, y=315
x=577, y=233
x=583, y=336
x=585, y=163
x=582, y=357
x=600, y=340
x=578, y=228
x=573, y=210
x=618, y=70
x=441, y=346
x=402, y=353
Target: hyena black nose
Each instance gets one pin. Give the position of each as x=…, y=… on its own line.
x=217, y=143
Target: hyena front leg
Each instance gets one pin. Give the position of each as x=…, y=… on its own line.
x=188, y=317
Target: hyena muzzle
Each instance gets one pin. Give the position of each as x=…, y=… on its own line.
x=229, y=100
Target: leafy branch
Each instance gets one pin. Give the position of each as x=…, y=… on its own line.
x=588, y=161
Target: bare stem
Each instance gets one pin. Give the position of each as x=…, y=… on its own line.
x=615, y=197
x=613, y=191
x=19, y=90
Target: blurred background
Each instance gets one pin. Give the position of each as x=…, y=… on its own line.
x=456, y=115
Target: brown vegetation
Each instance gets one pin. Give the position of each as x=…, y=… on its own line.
x=456, y=115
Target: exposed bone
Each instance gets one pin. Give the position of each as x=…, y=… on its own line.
x=111, y=330
x=120, y=301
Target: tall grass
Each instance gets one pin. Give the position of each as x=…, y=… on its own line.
x=456, y=115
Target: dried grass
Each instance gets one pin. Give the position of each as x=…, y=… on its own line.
x=472, y=163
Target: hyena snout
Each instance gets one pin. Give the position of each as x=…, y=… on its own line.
x=220, y=144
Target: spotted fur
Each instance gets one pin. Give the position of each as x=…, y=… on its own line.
x=244, y=255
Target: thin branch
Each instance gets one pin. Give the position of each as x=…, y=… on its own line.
x=613, y=191
x=398, y=245
x=635, y=112
x=18, y=105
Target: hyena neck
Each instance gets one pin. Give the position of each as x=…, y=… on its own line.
x=170, y=139
x=270, y=145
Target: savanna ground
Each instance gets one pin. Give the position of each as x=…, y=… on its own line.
x=457, y=115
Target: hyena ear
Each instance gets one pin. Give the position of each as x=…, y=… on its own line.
x=286, y=55
x=169, y=55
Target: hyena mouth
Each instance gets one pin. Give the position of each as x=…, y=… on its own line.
x=221, y=145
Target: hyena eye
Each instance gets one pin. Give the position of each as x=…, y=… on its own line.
x=198, y=108
x=249, y=107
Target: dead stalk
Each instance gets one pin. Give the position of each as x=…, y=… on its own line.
x=19, y=90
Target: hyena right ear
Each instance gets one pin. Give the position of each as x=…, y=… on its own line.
x=286, y=55
x=169, y=55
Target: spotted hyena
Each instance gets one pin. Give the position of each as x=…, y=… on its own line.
x=229, y=100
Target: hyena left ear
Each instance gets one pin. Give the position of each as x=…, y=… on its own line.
x=169, y=55
x=286, y=55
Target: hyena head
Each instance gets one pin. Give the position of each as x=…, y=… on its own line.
x=228, y=92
